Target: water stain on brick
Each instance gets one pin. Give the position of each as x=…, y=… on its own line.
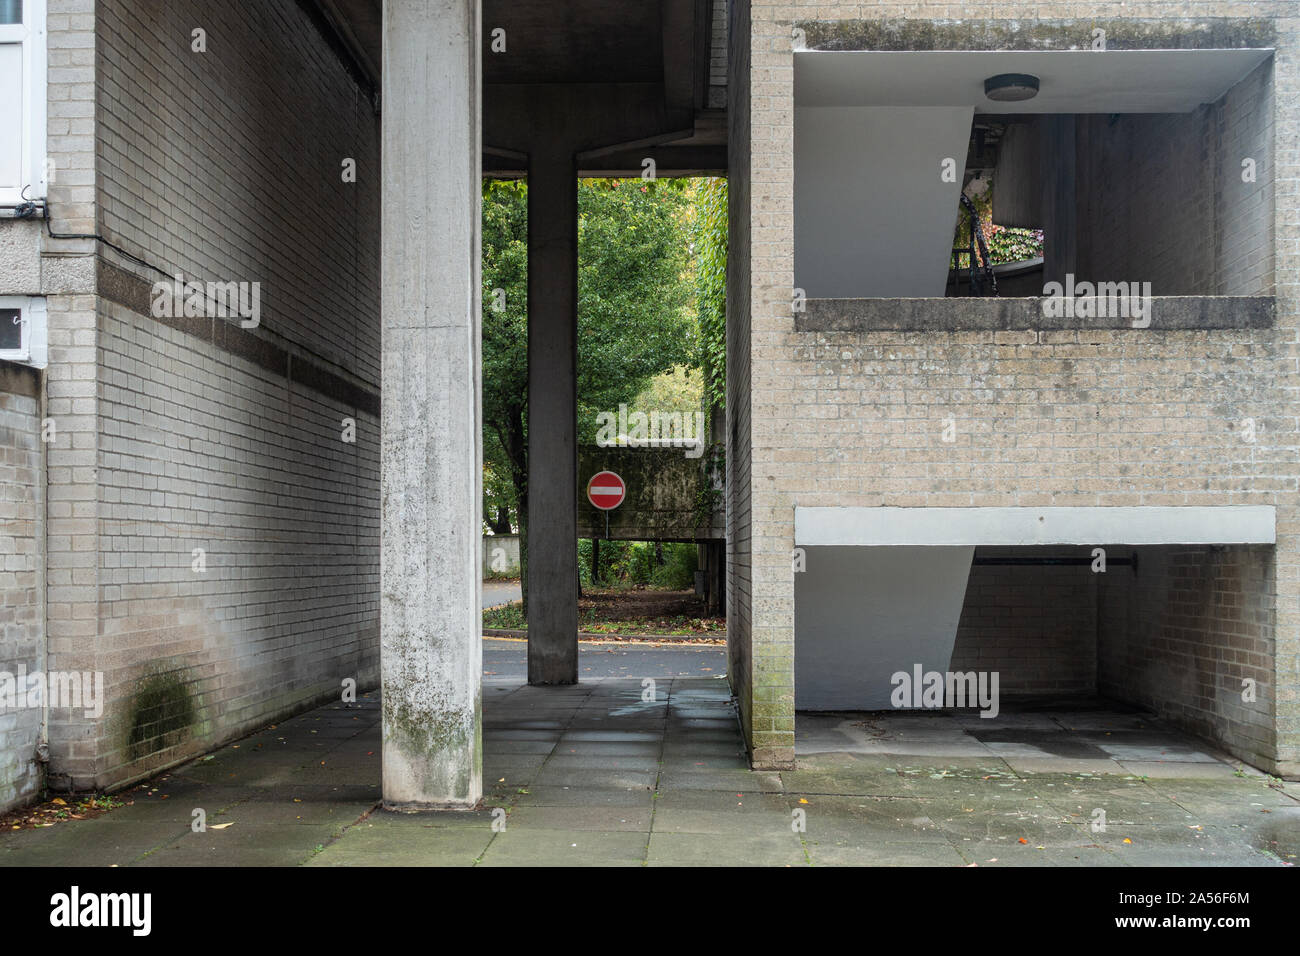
x=162, y=714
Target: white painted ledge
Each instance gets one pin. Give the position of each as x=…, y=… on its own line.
x=873, y=527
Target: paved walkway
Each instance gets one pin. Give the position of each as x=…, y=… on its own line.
x=593, y=775
x=497, y=593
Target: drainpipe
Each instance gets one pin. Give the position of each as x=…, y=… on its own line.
x=42, y=565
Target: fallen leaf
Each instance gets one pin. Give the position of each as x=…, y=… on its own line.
x=1023, y=840
x=220, y=826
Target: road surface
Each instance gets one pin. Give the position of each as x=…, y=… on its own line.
x=508, y=658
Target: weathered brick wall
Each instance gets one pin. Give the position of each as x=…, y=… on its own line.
x=226, y=166
x=739, y=422
x=72, y=542
x=22, y=574
x=1126, y=417
x=206, y=450
x=1181, y=635
x=717, y=94
x=1161, y=197
x=1247, y=117
x=1035, y=625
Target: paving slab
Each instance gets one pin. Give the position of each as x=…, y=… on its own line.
x=765, y=848
x=558, y=847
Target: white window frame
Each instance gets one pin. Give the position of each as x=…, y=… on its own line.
x=35, y=349
x=31, y=33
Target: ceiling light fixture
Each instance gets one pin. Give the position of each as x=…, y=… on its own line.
x=1011, y=87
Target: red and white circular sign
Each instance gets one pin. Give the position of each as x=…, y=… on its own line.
x=606, y=491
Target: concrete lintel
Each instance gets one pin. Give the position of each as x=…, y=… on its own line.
x=1228, y=524
x=1126, y=33
x=1167, y=314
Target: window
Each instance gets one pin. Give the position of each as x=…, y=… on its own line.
x=22, y=99
x=23, y=329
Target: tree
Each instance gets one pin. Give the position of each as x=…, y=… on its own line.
x=632, y=318
x=710, y=236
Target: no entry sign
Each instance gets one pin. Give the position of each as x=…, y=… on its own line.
x=606, y=491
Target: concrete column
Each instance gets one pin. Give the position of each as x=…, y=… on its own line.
x=430, y=624
x=552, y=417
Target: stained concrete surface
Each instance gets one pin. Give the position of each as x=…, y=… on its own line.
x=594, y=775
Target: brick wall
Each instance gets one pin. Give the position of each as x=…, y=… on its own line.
x=1180, y=636
x=195, y=434
x=22, y=573
x=227, y=164
x=1161, y=198
x=1125, y=417
x=209, y=451
x=739, y=423
x=72, y=531
x=1035, y=625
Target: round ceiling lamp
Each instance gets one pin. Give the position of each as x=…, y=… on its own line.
x=1011, y=87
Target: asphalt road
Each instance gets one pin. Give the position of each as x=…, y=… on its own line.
x=500, y=592
x=508, y=658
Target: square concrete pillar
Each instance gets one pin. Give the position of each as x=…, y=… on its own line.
x=552, y=416
x=430, y=623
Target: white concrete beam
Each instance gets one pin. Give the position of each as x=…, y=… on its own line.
x=1228, y=524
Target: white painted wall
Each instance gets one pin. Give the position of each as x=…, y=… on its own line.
x=862, y=614
x=872, y=217
x=500, y=549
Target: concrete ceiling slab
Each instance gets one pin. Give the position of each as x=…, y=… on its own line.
x=1072, y=81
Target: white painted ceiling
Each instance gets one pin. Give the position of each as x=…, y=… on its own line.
x=1071, y=81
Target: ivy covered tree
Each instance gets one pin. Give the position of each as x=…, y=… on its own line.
x=711, y=288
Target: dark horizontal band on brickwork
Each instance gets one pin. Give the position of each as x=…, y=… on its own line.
x=135, y=293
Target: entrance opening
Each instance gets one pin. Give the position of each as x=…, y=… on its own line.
x=1143, y=166
x=1109, y=653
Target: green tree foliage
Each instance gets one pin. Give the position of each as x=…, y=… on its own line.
x=633, y=318
x=633, y=564
x=1006, y=243
x=711, y=288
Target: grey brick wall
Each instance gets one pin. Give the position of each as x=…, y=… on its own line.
x=1180, y=637
x=188, y=434
x=227, y=164
x=1161, y=197
x=739, y=423
x=22, y=574
x=1127, y=417
x=1036, y=626
x=208, y=451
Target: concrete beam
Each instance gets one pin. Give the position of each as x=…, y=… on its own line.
x=1169, y=313
x=1146, y=524
x=430, y=625
x=552, y=416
